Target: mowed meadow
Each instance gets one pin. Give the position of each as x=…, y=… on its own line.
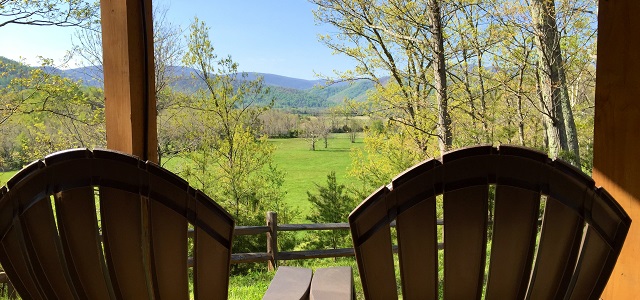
x=303, y=168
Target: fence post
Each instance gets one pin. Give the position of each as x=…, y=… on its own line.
x=272, y=239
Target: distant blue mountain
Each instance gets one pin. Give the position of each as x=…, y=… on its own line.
x=93, y=76
x=288, y=92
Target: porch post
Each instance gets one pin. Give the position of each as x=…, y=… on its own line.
x=616, y=163
x=127, y=43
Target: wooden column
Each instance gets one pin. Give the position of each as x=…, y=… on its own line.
x=127, y=42
x=617, y=128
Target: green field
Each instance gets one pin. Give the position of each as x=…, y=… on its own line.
x=305, y=168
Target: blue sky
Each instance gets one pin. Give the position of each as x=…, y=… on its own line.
x=269, y=36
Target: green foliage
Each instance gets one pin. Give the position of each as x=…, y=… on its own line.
x=286, y=97
x=336, y=93
x=10, y=69
x=494, y=77
x=384, y=156
x=332, y=204
x=48, y=12
x=42, y=113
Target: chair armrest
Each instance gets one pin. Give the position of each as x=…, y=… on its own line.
x=335, y=283
x=289, y=283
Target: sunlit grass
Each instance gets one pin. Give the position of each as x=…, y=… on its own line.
x=5, y=176
x=305, y=168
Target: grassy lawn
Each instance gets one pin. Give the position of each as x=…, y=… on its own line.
x=5, y=176
x=305, y=168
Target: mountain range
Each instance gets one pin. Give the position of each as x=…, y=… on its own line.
x=288, y=92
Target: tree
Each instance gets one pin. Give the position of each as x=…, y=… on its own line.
x=332, y=204
x=277, y=123
x=314, y=129
x=230, y=158
x=348, y=110
x=43, y=113
x=48, y=12
x=387, y=152
x=354, y=127
x=405, y=40
x=561, y=126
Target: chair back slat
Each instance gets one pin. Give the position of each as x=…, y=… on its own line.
x=371, y=235
x=43, y=245
x=19, y=267
x=560, y=239
x=78, y=226
x=121, y=214
x=465, y=233
x=416, y=225
x=212, y=243
x=513, y=242
x=589, y=268
x=599, y=252
x=169, y=253
x=418, y=250
x=32, y=219
x=169, y=226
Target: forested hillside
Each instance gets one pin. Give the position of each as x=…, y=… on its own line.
x=287, y=92
x=10, y=69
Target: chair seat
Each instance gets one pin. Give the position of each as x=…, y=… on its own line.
x=289, y=283
x=333, y=283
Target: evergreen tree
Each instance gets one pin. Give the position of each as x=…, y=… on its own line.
x=332, y=204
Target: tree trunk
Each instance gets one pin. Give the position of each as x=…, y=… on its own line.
x=553, y=80
x=440, y=76
x=552, y=138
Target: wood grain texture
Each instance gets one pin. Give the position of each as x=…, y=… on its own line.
x=129, y=84
x=617, y=119
x=289, y=283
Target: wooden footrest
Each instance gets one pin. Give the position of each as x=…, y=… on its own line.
x=335, y=283
x=289, y=283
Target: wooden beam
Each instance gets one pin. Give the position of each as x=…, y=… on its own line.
x=127, y=42
x=617, y=123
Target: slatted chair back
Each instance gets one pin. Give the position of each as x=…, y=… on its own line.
x=100, y=224
x=510, y=255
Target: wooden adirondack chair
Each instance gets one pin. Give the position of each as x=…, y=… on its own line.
x=99, y=224
x=570, y=255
